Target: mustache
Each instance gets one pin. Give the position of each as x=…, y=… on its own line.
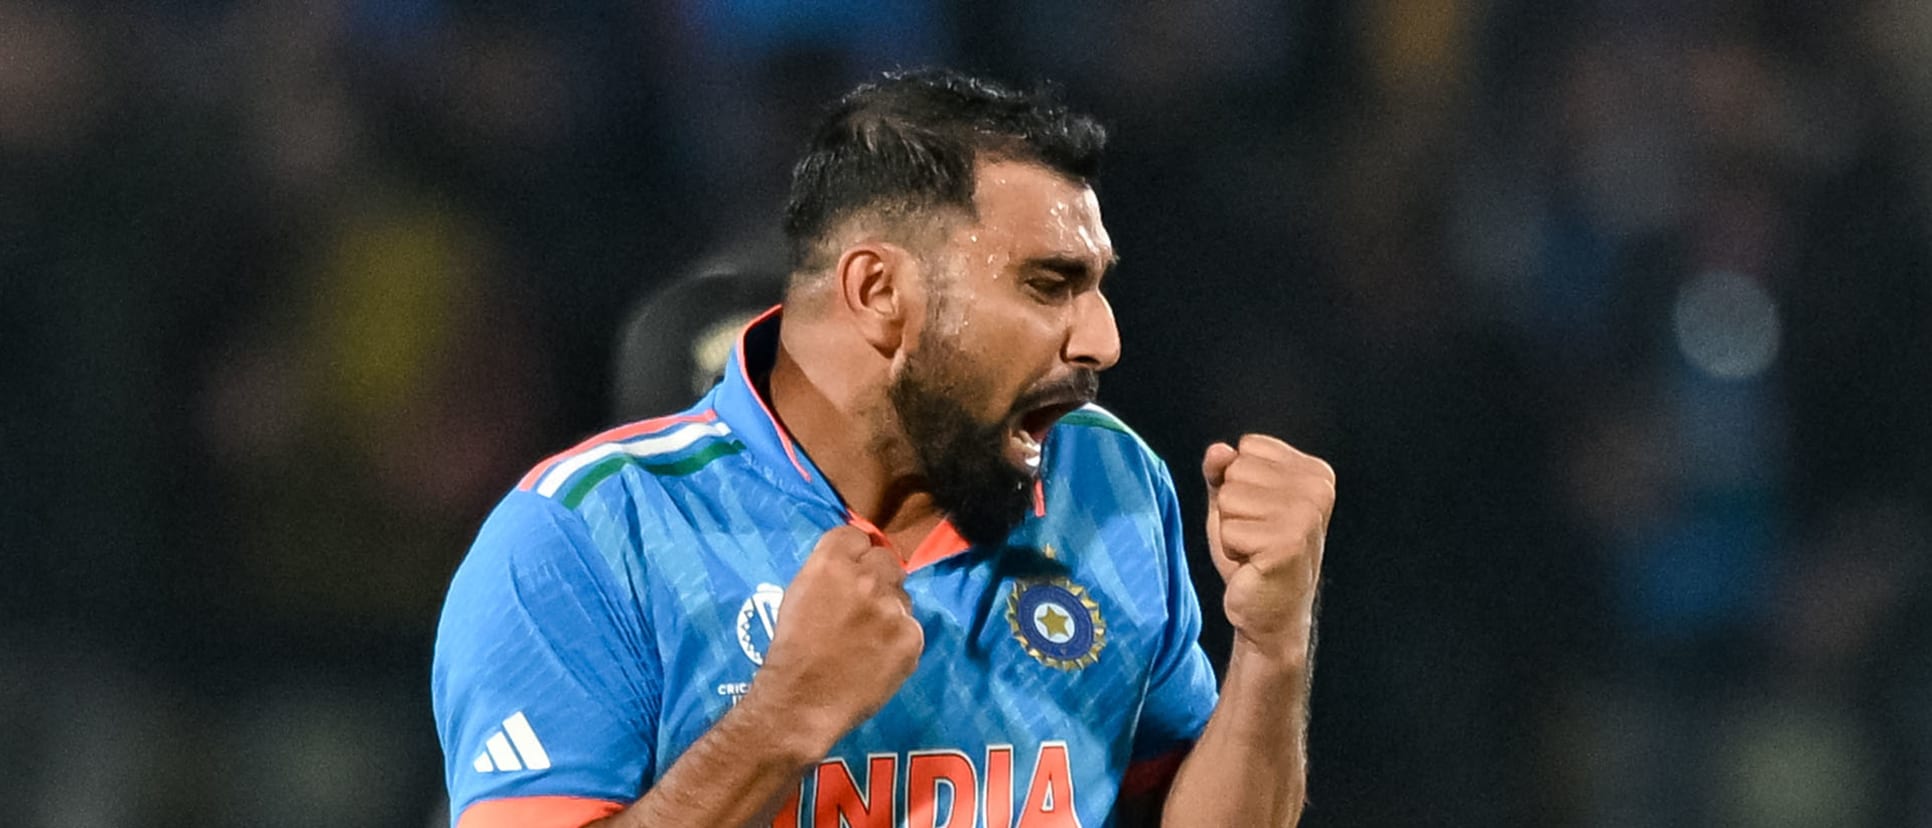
x=1079, y=387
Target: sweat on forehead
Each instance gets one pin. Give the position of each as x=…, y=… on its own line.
x=1040, y=214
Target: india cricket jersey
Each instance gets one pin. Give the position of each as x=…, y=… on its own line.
x=620, y=600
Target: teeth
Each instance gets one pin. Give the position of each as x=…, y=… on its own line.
x=1031, y=447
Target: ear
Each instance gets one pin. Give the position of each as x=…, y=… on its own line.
x=876, y=284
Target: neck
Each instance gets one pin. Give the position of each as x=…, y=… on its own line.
x=835, y=415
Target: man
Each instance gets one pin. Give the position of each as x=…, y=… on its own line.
x=986, y=615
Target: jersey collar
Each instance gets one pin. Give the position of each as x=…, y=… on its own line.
x=744, y=409
x=746, y=412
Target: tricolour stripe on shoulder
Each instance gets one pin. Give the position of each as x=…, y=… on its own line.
x=580, y=486
x=664, y=459
x=624, y=432
x=653, y=447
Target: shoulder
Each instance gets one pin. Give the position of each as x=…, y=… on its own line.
x=569, y=511
x=627, y=494
x=1093, y=443
x=1092, y=416
x=1091, y=426
x=526, y=539
x=536, y=575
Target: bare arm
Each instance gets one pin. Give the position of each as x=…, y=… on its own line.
x=1250, y=765
x=1268, y=509
x=737, y=774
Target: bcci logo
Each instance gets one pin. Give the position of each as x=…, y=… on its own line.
x=761, y=607
x=1057, y=622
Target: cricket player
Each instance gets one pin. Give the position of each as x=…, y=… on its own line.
x=895, y=569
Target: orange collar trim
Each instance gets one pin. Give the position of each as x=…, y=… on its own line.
x=744, y=373
x=941, y=543
x=944, y=541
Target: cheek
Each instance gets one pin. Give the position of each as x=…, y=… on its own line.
x=1010, y=344
x=1023, y=327
x=978, y=374
x=1019, y=352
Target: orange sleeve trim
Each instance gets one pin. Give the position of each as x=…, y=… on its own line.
x=1149, y=775
x=537, y=812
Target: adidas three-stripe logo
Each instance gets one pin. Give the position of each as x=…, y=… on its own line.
x=512, y=748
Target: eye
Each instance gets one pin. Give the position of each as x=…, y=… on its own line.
x=1050, y=285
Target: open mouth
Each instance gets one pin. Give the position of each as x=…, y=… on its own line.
x=1031, y=430
x=1039, y=421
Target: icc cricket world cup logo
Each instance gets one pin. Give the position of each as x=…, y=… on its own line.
x=756, y=620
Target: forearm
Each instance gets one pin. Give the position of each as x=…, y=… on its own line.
x=1250, y=765
x=737, y=774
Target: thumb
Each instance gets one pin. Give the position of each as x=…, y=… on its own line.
x=1214, y=466
x=845, y=541
x=1214, y=469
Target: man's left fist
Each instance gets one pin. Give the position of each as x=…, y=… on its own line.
x=1268, y=508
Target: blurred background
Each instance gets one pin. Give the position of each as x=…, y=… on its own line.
x=1612, y=314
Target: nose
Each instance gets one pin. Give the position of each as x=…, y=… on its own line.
x=1094, y=340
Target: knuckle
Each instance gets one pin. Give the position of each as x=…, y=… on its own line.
x=1268, y=473
x=1240, y=535
x=1233, y=504
x=876, y=557
x=1323, y=502
x=843, y=539
x=911, y=638
x=1321, y=470
x=1249, y=472
x=1323, y=488
x=1238, y=471
x=1256, y=442
x=1268, y=566
x=1325, y=508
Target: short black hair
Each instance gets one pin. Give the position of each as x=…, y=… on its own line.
x=906, y=145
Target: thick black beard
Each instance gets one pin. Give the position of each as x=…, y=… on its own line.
x=962, y=460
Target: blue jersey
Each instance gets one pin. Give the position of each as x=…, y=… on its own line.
x=618, y=603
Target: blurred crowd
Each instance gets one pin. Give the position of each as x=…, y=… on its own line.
x=1615, y=317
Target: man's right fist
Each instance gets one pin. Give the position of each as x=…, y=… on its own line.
x=845, y=638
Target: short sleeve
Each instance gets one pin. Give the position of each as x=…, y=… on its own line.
x=543, y=685
x=1181, y=693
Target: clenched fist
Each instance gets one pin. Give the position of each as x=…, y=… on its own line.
x=1268, y=509
x=845, y=638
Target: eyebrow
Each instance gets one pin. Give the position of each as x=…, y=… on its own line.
x=1072, y=267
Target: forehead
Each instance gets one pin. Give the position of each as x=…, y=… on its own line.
x=1039, y=212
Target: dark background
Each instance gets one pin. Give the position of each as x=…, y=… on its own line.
x=1612, y=316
